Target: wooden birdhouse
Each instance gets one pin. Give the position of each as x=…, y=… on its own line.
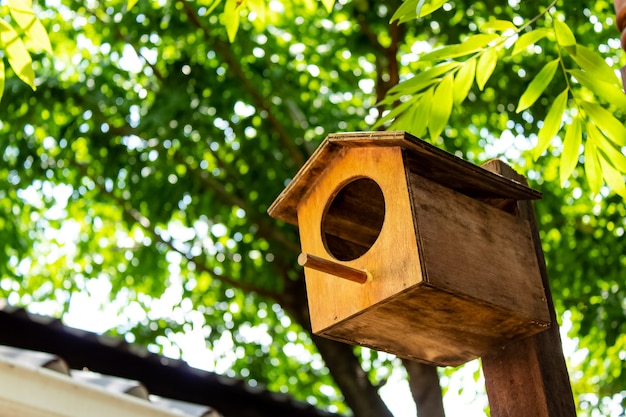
x=410, y=250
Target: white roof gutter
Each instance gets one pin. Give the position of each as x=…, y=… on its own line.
x=29, y=391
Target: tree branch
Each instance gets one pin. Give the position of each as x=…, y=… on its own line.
x=387, y=66
x=267, y=231
x=147, y=225
x=200, y=264
x=370, y=34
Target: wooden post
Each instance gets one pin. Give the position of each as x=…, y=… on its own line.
x=529, y=377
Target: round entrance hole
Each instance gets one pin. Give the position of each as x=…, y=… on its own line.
x=353, y=219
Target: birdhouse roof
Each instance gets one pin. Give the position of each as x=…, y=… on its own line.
x=427, y=160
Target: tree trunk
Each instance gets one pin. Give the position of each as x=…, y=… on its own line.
x=359, y=393
x=425, y=387
x=361, y=396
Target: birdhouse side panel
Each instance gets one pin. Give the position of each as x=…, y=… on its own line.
x=389, y=249
x=476, y=250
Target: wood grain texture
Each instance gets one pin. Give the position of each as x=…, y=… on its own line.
x=529, y=377
x=473, y=249
x=392, y=259
x=429, y=325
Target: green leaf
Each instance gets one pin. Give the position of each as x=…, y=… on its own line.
x=410, y=8
x=212, y=6
x=231, y=18
x=528, y=39
x=445, y=52
x=39, y=37
x=22, y=5
x=612, y=128
x=613, y=177
x=422, y=113
x=403, y=121
x=609, y=92
x=551, y=124
x=258, y=7
x=407, y=120
x=486, y=64
x=612, y=161
x=406, y=12
x=475, y=43
x=613, y=155
x=594, y=64
x=415, y=88
x=499, y=25
x=472, y=44
x=464, y=80
x=130, y=4
x=19, y=58
x=571, y=148
x=564, y=35
x=418, y=108
x=32, y=27
x=2, y=75
x=418, y=7
x=329, y=4
x=430, y=7
x=421, y=80
x=441, y=107
x=399, y=109
x=415, y=117
x=538, y=85
x=592, y=168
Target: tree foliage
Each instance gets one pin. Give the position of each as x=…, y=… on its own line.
x=143, y=164
x=590, y=103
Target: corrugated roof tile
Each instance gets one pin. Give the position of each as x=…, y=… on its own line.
x=173, y=377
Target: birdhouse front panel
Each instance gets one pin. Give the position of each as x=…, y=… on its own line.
x=357, y=214
x=410, y=250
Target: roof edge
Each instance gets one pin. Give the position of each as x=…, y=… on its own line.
x=427, y=160
x=285, y=206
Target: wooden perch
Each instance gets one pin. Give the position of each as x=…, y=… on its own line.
x=324, y=265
